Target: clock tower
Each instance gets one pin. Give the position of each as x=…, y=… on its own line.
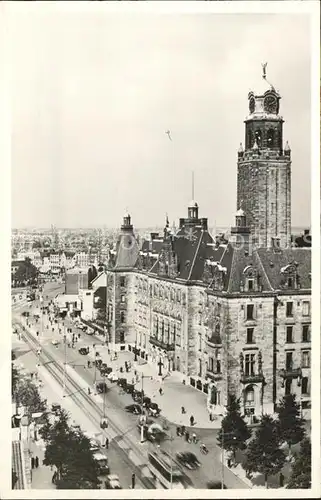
x=264, y=170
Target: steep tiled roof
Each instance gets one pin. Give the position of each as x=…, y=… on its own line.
x=273, y=262
x=242, y=259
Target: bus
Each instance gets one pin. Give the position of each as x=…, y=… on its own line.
x=165, y=471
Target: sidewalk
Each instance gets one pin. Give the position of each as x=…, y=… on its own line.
x=175, y=393
x=41, y=477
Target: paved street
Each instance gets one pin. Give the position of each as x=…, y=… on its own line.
x=211, y=466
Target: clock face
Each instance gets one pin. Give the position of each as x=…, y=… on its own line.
x=252, y=105
x=271, y=104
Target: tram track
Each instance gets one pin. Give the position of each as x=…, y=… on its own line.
x=93, y=410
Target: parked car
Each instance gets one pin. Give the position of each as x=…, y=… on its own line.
x=137, y=395
x=122, y=382
x=83, y=350
x=130, y=388
x=188, y=459
x=113, y=377
x=112, y=482
x=134, y=408
x=55, y=342
x=104, y=369
x=98, y=362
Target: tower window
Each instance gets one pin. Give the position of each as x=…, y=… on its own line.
x=249, y=364
x=122, y=281
x=258, y=137
x=122, y=317
x=270, y=137
x=250, y=311
x=250, y=336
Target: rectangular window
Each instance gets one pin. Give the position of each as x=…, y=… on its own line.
x=305, y=359
x=289, y=334
x=249, y=311
x=218, y=366
x=200, y=318
x=289, y=309
x=305, y=333
x=87, y=293
x=122, y=337
x=306, y=308
x=178, y=336
x=122, y=281
x=250, y=335
x=305, y=385
x=249, y=364
x=199, y=341
x=211, y=364
x=122, y=317
x=122, y=299
x=250, y=285
x=289, y=360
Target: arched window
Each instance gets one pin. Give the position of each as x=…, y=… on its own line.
x=270, y=138
x=258, y=137
x=250, y=139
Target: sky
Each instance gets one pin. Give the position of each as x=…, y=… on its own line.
x=93, y=94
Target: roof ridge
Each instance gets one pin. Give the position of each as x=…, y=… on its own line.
x=231, y=271
x=195, y=255
x=264, y=271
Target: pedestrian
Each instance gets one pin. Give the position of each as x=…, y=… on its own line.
x=126, y=367
x=194, y=438
x=32, y=462
x=183, y=410
x=37, y=462
x=187, y=436
x=191, y=420
x=88, y=363
x=107, y=443
x=160, y=390
x=78, y=336
x=37, y=334
x=89, y=391
x=281, y=480
x=178, y=431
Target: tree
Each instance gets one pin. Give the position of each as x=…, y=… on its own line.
x=26, y=272
x=301, y=468
x=290, y=422
x=263, y=453
x=234, y=432
x=14, y=379
x=69, y=451
x=27, y=394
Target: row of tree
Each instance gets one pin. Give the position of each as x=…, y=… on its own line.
x=26, y=274
x=264, y=451
x=67, y=448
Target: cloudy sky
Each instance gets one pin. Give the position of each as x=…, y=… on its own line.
x=93, y=94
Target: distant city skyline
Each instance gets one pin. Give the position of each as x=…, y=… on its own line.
x=100, y=92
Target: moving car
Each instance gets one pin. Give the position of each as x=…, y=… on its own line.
x=55, y=342
x=134, y=408
x=112, y=482
x=188, y=459
x=55, y=408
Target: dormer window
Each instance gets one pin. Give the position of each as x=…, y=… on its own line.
x=250, y=283
x=289, y=277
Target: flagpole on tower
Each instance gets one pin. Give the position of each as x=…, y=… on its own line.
x=192, y=184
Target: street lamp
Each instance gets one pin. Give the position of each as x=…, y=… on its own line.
x=142, y=439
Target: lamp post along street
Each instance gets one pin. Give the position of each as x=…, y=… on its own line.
x=224, y=434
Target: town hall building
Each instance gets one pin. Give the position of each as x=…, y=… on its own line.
x=228, y=318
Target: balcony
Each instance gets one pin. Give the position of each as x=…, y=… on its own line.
x=290, y=373
x=214, y=341
x=161, y=344
x=214, y=376
x=252, y=379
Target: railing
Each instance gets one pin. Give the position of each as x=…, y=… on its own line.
x=160, y=343
x=245, y=379
x=290, y=372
